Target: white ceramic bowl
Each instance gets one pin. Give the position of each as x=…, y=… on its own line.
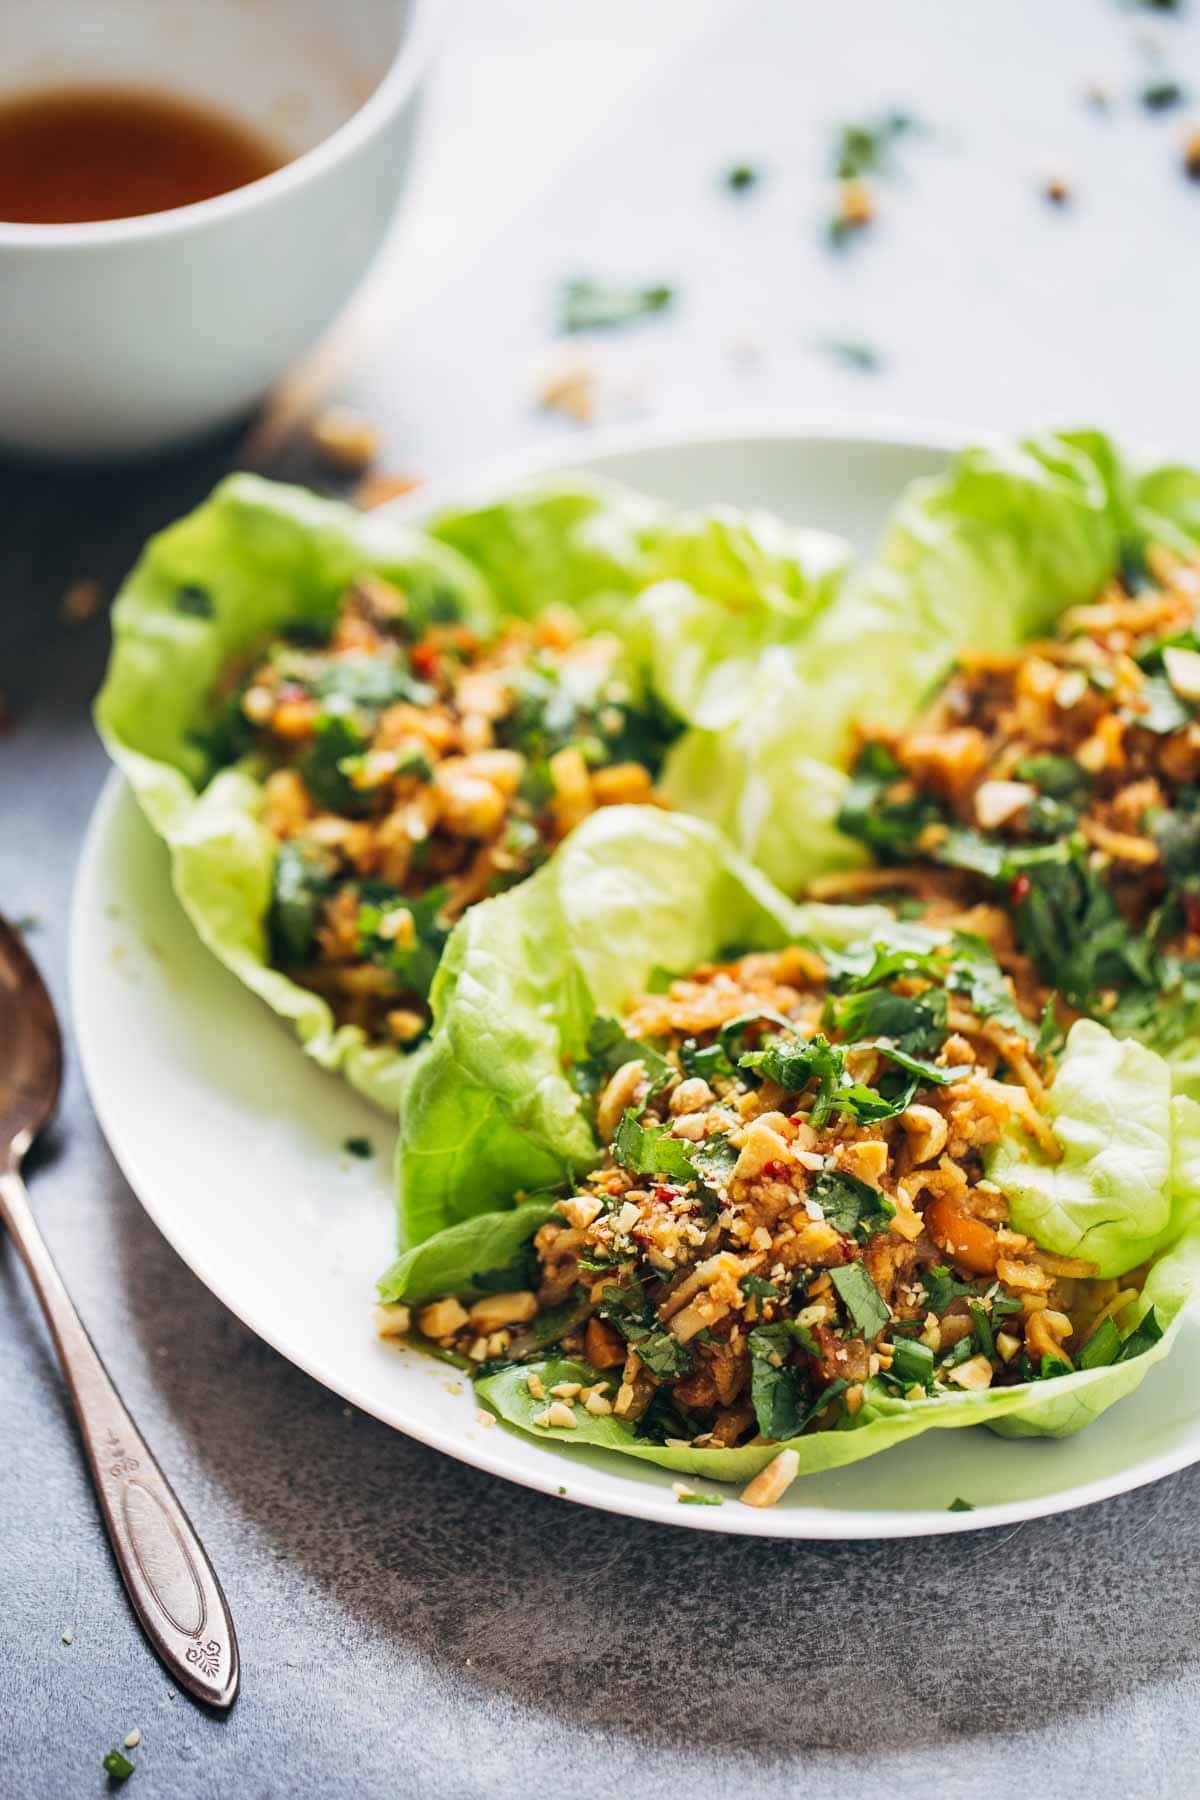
x=123, y=335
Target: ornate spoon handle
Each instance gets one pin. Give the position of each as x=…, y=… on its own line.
x=171, y=1583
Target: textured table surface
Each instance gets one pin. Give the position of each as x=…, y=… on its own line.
x=410, y=1627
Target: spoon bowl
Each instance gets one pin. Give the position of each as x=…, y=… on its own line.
x=30, y=1048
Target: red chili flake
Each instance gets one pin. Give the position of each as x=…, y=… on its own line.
x=1019, y=889
x=424, y=660
x=664, y=1193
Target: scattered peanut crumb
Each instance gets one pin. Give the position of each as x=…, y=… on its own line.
x=856, y=206
x=81, y=601
x=68, y=1637
x=133, y=1739
x=1057, y=190
x=1191, y=154
x=344, y=439
x=485, y=1418
x=569, y=388
x=377, y=490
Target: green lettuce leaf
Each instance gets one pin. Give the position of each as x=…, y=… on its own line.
x=985, y=555
x=456, y=1259
x=581, y=544
x=696, y=597
x=490, y=1108
x=1111, y=1198
x=254, y=557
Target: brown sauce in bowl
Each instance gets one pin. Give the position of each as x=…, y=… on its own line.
x=69, y=155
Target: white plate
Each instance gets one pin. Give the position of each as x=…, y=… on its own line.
x=232, y=1139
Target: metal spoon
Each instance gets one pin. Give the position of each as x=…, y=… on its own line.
x=171, y=1583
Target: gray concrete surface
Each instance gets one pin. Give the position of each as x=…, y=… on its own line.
x=410, y=1628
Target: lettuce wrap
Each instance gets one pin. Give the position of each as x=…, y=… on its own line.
x=985, y=557
x=494, y=1126
x=258, y=558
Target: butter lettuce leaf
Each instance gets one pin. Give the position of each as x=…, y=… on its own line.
x=985, y=555
x=491, y=1108
x=696, y=597
x=1111, y=1198
x=253, y=558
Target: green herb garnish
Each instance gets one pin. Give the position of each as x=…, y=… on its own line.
x=606, y=306
x=861, y=1298
x=651, y=1150
x=117, y=1766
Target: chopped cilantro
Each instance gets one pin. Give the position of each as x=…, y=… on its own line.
x=358, y=1146
x=607, y=1049
x=756, y=1287
x=983, y=1328
x=975, y=972
x=912, y=1362
x=1161, y=96
x=301, y=880
x=117, y=1766
x=865, y=148
x=852, y=353
x=338, y=738
x=778, y=1393
x=713, y=1159
x=606, y=306
x=690, y=1498
x=412, y=958
x=708, y=1060
x=741, y=177
x=651, y=1150
x=861, y=1298
x=914, y=1022
x=961, y=1506
x=845, y=1201
x=942, y=1288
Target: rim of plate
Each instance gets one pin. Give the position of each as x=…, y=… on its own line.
x=654, y=1504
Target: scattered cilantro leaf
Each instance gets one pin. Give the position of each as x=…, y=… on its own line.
x=961, y=1506
x=117, y=1766
x=358, y=1146
x=852, y=353
x=588, y=305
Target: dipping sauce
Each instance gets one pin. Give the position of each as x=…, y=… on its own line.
x=68, y=155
